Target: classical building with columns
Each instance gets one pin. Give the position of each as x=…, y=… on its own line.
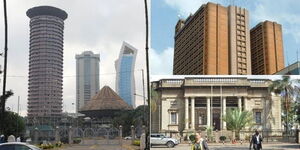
x=195, y=103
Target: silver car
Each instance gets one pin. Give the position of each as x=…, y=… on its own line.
x=17, y=146
x=160, y=139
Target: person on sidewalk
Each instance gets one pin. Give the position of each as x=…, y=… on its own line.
x=18, y=139
x=2, y=139
x=200, y=143
x=256, y=141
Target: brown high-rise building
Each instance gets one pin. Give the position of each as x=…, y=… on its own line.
x=213, y=41
x=239, y=41
x=266, y=48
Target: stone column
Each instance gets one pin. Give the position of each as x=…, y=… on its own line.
x=240, y=103
x=143, y=138
x=70, y=135
x=132, y=134
x=224, y=112
x=208, y=110
x=121, y=134
x=36, y=136
x=186, y=114
x=193, y=113
x=57, y=137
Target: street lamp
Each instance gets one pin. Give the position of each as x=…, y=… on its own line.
x=147, y=63
x=2, y=100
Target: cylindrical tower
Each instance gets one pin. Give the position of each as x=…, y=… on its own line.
x=45, y=64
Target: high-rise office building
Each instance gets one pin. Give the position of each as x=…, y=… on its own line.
x=125, y=84
x=213, y=41
x=87, y=77
x=45, y=63
x=267, y=48
x=239, y=41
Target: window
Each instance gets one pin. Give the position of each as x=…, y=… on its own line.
x=173, y=103
x=21, y=147
x=173, y=118
x=202, y=120
x=7, y=147
x=258, y=117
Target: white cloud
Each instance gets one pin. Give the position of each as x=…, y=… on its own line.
x=186, y=7
x=97, y=25
x=286, y=14
x=161, y=63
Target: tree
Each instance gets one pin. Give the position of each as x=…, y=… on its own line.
x=124, y=118
x=237, y=120
x=289, y=90
x=132, y=117
x=14, y=124
x=3, y=99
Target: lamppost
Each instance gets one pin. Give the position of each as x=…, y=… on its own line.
x=147, y=64
x=2, y=100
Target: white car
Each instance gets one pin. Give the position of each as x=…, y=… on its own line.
x=127, y=138
x=160, y=139
x=17, y=146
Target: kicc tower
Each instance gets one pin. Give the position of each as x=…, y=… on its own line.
x=45, y=64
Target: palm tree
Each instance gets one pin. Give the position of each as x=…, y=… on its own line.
x=237, y=120
x=288, y=89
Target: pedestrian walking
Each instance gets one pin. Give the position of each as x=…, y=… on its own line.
x=256, y=141
x=200, y=143
x=18, y=139
x=2, y=138
x=11, y=138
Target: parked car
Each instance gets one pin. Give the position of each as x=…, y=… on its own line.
x=17, y=146
x=160, y=139
x=127, y=138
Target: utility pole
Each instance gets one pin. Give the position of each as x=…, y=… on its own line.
x=144, y=98
x=147, y=68
x=5, y=64
x=18, y=110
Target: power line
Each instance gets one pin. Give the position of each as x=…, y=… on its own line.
x=66, y=76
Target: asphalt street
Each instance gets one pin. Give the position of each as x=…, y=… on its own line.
x=269, y=146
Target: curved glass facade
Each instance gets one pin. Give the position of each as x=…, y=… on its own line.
x=125, y=84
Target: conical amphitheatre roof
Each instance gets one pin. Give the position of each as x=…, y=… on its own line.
x=106, y=99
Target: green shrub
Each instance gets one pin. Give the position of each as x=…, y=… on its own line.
x=136, y=142
x=58, y=144
x=222, y=138
x=46, y=146
x=76, y=140
x=209, y=131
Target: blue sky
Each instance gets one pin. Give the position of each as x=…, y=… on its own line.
x=165, y=13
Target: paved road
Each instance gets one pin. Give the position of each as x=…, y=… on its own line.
x=278, y=146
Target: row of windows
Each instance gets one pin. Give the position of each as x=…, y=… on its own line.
x=202, y=120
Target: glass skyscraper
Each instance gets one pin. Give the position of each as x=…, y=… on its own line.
x=87, y=77
x=125, y=84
